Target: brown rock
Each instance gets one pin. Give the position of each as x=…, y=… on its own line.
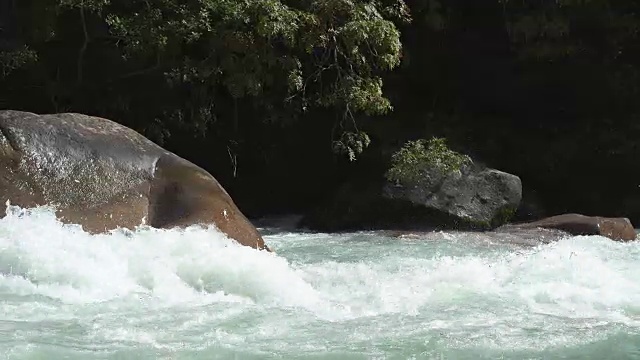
x=619, y=229
x=103, y=175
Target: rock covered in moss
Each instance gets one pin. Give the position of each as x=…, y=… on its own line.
x=428, y=173
x=481, y=197
x=428, y=187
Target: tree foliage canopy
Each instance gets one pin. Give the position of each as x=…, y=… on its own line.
x=254, y=89
x=190, y=59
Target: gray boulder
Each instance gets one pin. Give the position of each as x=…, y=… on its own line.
x=479, y=197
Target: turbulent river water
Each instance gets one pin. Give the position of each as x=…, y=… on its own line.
x=193, y=294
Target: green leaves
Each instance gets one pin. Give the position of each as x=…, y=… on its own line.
x=352, y=144
x=347, y=44
x=549, y=30
x=15, y=59
x=376, y=40
x=90, y=5
x=417, y=159
x=289, y=57
x=365, y=95
x=280, y=58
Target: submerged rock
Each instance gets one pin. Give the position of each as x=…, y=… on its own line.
x=103, y=175
x=619, y=229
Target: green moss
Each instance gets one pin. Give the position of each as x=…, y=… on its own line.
x=410, y=162
x=503, y=216
x=470, y=224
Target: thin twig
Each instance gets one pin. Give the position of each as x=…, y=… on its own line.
x=85, y=43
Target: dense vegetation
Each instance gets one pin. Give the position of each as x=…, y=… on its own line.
x=284, y=100
x=408, y=163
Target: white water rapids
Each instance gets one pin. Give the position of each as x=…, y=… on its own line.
x=194, y=294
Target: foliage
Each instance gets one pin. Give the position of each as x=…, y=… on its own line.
x=524, y=84
x=417, y=158
x=352, y=144
x=503, y=216
x=244, y=87
x=200, y=58
x=550, y=30
x=12, y=60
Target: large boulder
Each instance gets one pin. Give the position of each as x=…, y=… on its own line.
x=103, y=175
x=479, y=197
x=619, y=229
x=473, y=199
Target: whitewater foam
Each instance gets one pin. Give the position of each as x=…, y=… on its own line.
x=151, y=293
x=41, y=256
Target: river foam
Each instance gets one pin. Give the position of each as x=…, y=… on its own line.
x=153, y=293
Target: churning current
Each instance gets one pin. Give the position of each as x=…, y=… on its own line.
x=193, y=294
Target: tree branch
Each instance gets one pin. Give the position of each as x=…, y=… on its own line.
x=142, y=71
x=83, y=49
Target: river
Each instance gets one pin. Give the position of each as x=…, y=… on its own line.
x=193, y=294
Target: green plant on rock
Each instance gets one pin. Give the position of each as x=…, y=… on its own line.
x=415, y=158
x=503, y=216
